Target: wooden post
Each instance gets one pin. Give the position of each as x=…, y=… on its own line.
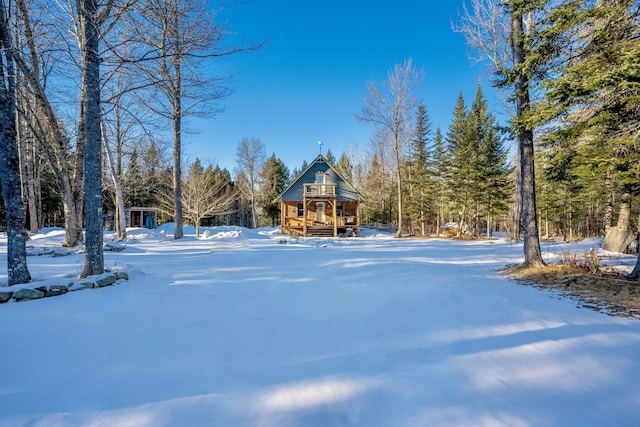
x=335, y=219
x=304, y=216
x=283, y=213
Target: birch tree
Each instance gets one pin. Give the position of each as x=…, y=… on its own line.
x=250, y=158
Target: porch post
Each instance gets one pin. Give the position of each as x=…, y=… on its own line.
x=304, y=216
x=335, y=219
x=283, y=211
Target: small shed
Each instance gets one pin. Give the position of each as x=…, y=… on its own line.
x=141, y=217
x=320, y=202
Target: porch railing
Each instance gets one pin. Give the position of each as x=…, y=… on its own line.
x=315, y=190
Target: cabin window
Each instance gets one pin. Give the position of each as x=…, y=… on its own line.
x=340, y=210
x=300, y=209
x=319, y=177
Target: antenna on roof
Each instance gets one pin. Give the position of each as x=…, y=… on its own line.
x=320, y=143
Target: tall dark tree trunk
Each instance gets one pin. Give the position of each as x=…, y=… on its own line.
x=532, y=252
x=17, y=270
x=177, y=135
x=177, y=173
x=94, y=259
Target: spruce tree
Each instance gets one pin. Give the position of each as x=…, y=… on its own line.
x=331, y=159
x=490, y=184
x=133, y=186
x=417, y=202
x=463, y=155
x=345, y=168
x=274, y=178
x=440, y=172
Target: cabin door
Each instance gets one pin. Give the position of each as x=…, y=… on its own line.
x=320, y=215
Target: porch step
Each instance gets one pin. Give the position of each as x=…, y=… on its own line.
x=320, y=231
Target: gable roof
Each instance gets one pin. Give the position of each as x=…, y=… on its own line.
x=344, y=189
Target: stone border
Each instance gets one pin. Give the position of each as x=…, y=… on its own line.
x=33, y=291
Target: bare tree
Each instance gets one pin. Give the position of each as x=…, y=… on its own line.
x=17, y=270
x=392, y=107
x=204, y=196
x=45, y=123
x=177, y=37
x=250, y=157
x=121, y=226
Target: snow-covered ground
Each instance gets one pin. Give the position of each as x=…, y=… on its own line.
x=238, y=329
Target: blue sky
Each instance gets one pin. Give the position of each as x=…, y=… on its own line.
x=308, y=82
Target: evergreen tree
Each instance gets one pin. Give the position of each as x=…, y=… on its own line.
x=331, y=159
x=345, y=168
x=417, y=202
x=463, y=158
x=440, y=169
x=223, y=181
x=274, y=178
x=592, y=58
x=490, y=186
x=377, y=208
x=133, y=189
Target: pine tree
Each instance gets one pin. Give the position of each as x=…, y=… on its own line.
x=150, y=171
x=440, y=170
x=463, y=158
x=592, y=99
x=274, y=178
x=134, y=191
x=490, y=185
x=417, y=202
x=345, y=168
x=377, y=208
x=331, y=159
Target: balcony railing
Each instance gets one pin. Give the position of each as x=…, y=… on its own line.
x=318, y=190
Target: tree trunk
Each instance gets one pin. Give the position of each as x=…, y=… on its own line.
x=532, y=252
x=57, y=152
x=121, y=224
x=177, y=177
x=17, y=270
x=635, y=273
x=177, y=141
x=94, y=259
x=398, y=182
x=619, y=238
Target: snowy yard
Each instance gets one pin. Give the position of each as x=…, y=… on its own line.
x=238, y=329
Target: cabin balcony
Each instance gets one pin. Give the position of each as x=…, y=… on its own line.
x=322, y=191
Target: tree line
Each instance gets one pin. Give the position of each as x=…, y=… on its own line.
x=87, y=88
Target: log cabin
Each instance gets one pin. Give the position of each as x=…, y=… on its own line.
x=320, y=203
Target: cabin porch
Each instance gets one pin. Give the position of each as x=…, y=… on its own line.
x=320, y=217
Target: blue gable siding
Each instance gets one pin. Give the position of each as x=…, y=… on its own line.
x=344, y=191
